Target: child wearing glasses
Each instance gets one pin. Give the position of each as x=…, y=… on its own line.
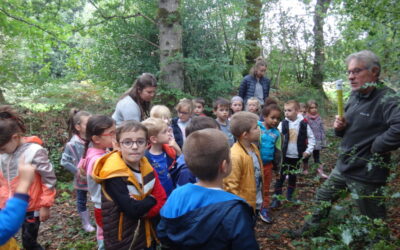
x=160, y=155
x=184, y=109
x=100, y=132
x=131, y=191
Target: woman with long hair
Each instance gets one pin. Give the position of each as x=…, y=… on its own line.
x=134, y=104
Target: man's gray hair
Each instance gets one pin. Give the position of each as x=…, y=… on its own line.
x=367, y=57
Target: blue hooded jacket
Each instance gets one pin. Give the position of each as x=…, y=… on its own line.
x=12, y=216
x=268, y=138
x=196, y=217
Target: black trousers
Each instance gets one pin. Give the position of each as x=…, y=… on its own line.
x=30, y=230
x=290, y=166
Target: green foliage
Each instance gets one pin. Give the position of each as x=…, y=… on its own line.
x=80, y=245
x=369, y=25
x=303, y=93
x=169, y=96
x=59, y=96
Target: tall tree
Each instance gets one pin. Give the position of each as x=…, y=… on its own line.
x=321, y=9
x=170, y=28
x=252, y=32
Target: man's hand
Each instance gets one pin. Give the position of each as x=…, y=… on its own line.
x=340, y=123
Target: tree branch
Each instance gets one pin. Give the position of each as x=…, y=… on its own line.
x=35, y=25
x=106, y=19
x=146, y=40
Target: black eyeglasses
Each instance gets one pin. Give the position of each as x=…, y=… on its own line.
x=355, y=71
x=129, y=143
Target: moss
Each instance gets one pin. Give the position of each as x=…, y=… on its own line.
x=169, y=18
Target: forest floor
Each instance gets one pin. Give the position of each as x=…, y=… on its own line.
x=63, y=229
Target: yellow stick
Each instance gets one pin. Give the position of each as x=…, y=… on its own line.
x=339, y=92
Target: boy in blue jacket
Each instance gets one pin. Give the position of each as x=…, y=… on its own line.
x=181, y=174
x=203, y=215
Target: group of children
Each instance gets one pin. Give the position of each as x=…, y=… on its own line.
x=165, y=180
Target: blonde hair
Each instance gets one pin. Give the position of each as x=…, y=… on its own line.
x=185, y=102
x=160, y=111
x=260, y=62
x=242, y=122
x=295, y=104
x=154, y=126
x=255, y=99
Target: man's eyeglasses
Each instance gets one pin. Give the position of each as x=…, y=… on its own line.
x=129, y=143
x=355, y=71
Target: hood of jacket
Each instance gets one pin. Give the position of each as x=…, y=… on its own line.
x=193, y=227
x=297, y=121
x=112, y=165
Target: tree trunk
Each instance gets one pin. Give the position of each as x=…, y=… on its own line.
x=252, y=33
x=2, y=99
x=170, y=28
x=321, y=9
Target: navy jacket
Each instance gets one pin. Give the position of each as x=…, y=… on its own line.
x=181, y=174
x=196, y=217
x=163, y=171
x=248, y=87
x=177, y=132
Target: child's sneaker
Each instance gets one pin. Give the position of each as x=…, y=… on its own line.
x=264, y=215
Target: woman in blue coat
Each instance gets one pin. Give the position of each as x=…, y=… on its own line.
x=255, y=84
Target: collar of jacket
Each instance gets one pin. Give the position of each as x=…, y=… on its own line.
x=376, y=85
x=244, y=148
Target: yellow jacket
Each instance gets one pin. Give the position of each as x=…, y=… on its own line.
x=242, y=180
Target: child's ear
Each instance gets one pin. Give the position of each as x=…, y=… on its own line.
x=16, y=136
x=115, y=145
x=78, y=127
x=153, y=139
x=225, y=168
x=96, y=139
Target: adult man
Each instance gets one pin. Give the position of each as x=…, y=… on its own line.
x=370, y=129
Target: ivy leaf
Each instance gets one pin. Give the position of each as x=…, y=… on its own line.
x=347, y=238
x=355, y=196
x=396, y=195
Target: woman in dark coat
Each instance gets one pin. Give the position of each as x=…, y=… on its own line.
x=255, y=84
